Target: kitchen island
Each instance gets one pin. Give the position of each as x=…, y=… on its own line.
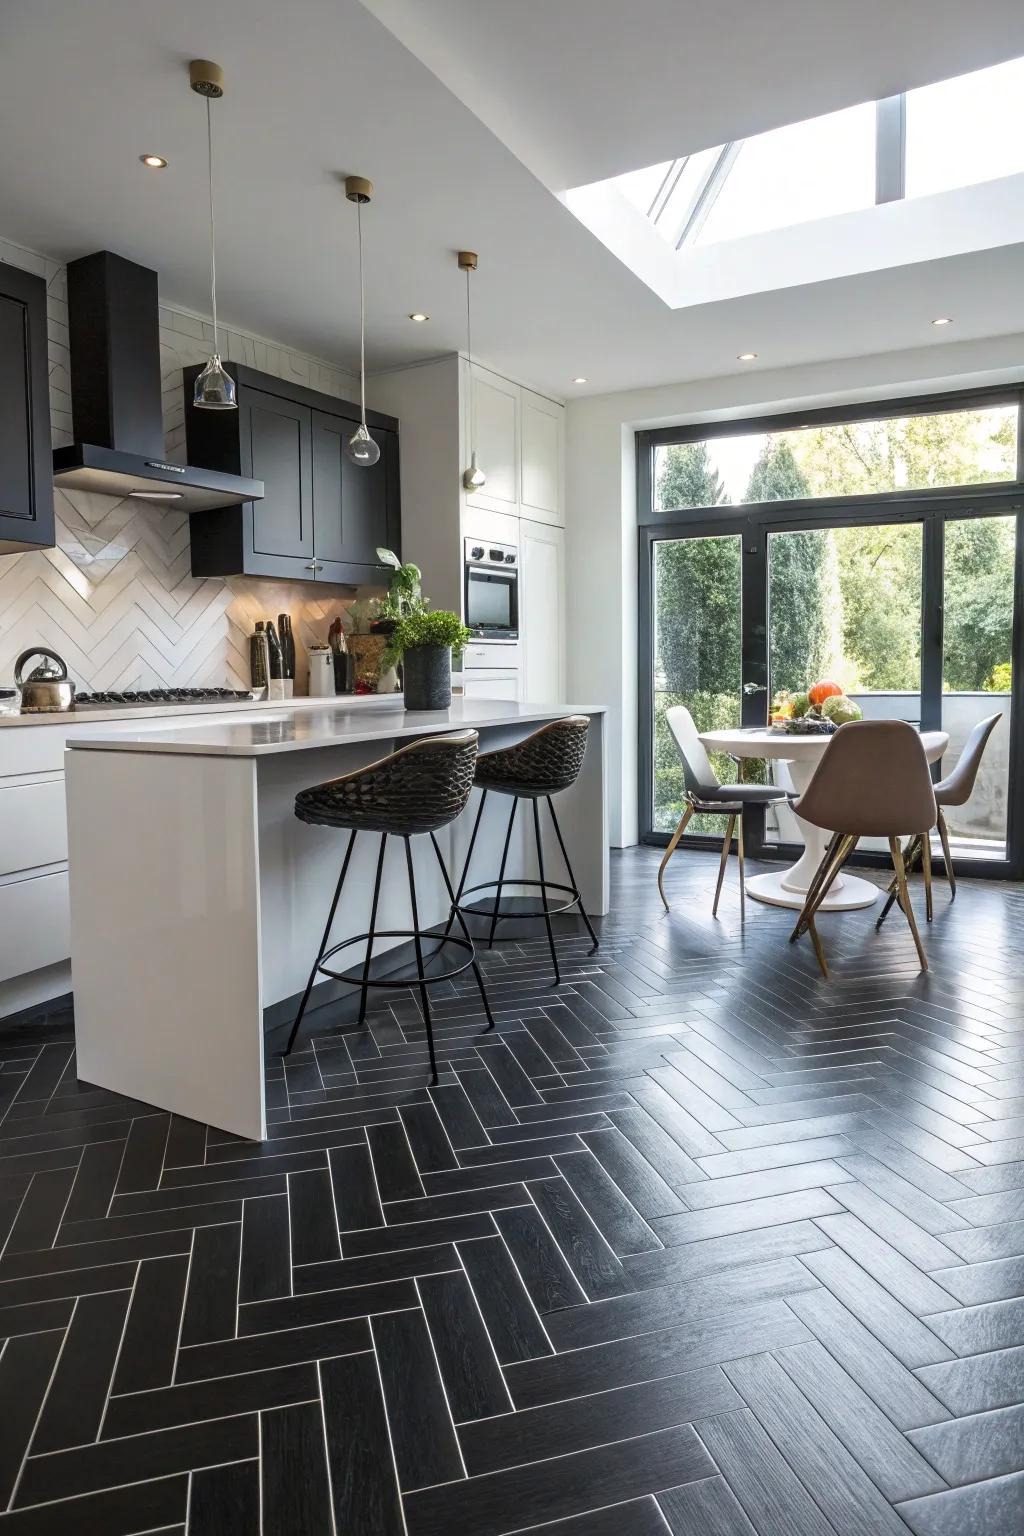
x=198, y=899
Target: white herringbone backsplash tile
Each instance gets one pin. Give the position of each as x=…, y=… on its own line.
x=116, y=597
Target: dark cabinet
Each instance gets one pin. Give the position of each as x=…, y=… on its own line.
x=26, y=464
x=322, y=518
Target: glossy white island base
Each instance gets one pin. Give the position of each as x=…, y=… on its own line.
x=198, y=899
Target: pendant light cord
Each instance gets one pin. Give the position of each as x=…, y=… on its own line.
x=213, y=231
x=362, y=320
x=469, y=359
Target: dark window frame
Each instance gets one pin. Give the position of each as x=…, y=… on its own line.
x=753, y=522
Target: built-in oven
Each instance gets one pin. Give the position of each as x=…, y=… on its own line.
x=492, y=590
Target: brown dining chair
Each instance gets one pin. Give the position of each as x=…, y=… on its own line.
x=872, y=781
x=955, y=789
x=704, y=793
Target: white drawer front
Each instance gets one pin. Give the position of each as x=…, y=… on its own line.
x=35, y=924
x=32, y=749
x=482, y=653
x=33, y=825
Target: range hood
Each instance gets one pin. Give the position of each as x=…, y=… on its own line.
x=116, y=399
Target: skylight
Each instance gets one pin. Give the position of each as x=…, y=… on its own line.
x=936, y=140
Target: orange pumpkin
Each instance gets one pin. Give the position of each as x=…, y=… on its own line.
x=822, y=691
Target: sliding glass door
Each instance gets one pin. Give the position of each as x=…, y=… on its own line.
x=978, y=672
x=882, y=553
x=696, y=658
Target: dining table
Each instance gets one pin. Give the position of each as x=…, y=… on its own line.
x=802, y=752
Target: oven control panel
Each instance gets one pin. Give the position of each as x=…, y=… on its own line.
x=491, y=555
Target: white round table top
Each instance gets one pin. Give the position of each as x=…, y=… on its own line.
x=792, y=748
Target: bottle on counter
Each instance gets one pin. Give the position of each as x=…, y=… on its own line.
x=259, y=657
x=287, y=638
x=275, y=664
x=343, y=681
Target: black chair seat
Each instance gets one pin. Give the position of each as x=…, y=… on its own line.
x=739, y=795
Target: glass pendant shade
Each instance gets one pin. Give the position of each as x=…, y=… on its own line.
x=473, y=477
x=215, y=388
x=361, y=448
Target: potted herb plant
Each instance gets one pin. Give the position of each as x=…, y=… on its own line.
x=424, y=642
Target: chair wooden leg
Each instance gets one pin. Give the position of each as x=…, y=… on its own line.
x=901, y=876
x=926, y=870
x=910, y=857
x=947, y=856
x=840, y=851
x=670, y=850
x=726, y=845
x=739, y=854
x=800, y=927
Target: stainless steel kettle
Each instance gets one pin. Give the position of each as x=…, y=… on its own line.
x=46, y=690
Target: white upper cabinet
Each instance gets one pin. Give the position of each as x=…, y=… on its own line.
x=492, y=422
x=541, y=434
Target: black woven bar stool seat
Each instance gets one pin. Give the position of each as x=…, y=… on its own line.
x=417, y=790
x=542, y=765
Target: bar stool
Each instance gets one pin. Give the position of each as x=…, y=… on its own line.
x=535, y=769
x=418, y=789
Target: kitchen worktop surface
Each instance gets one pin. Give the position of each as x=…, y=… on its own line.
x=283, y=728
x=93, y=714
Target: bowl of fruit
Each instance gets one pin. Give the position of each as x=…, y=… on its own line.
x=818, y=712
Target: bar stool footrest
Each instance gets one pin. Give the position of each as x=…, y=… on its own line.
x=544, y=886
x=466, y=946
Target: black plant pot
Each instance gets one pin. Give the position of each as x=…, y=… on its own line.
x=428, y=677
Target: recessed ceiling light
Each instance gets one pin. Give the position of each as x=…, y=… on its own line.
x=746, y=357
x=579, y=379
x=155, y=162
x=942, y=320
x=419, y=317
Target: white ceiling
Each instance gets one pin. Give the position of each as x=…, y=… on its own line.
x=565, y=91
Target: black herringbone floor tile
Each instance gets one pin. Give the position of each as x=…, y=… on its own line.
x=694, y=1242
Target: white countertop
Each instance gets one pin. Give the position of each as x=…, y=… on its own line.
x=91, y=714
x=286, y=729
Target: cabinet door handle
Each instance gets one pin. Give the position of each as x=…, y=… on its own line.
x=314, y=565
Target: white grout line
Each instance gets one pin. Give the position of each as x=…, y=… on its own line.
x=387, y=1425
x=440, y=1377
x=184, y=1304
x=117, y=1356
x=42, y=1405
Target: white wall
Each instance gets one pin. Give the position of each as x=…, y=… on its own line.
x=601, y=532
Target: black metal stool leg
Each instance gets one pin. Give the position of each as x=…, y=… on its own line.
x=572, y=877
x=501, y=872
x=373, y=924
x=455, y=913
x=323, y=945
x=465, y=868
x=419, y=960
x=544, y=893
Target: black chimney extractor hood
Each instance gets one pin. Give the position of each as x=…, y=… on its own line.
x=115, y=396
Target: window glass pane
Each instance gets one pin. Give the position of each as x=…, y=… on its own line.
x=966, y=130
x=839, y=459
x=804, y=171
x=977, y=672
x=844, y=606
x=697, y=659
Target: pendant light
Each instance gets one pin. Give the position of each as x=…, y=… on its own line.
x=473, y=477
x=214, y=388
x=361, y=448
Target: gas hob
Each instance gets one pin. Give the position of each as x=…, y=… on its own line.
x=170, y=696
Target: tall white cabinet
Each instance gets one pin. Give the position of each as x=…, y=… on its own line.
x=444, y=407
